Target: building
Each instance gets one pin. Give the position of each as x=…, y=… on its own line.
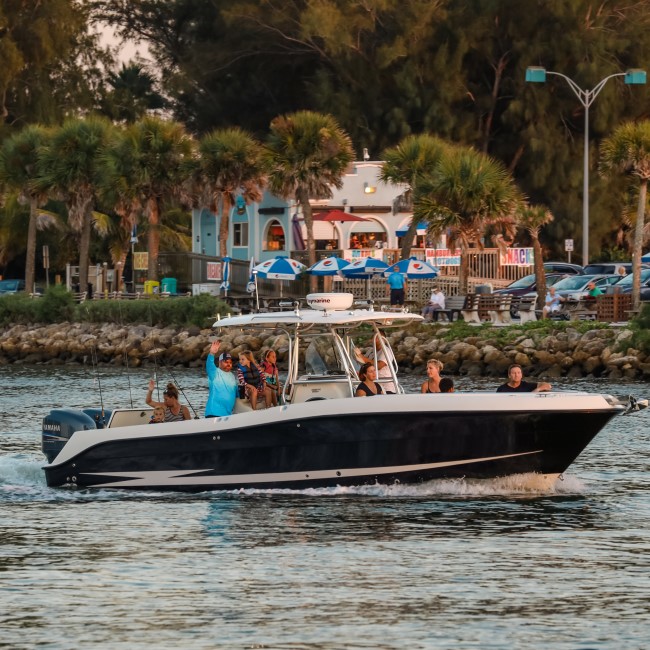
x=377, y=215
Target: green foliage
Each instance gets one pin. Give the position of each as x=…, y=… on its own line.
x=196, y=310
x=57, y=306
x=641, y=330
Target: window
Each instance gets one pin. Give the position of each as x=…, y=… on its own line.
x=240, y=234
x=274, y=237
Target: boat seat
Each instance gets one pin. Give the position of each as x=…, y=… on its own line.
x=306, y=389
x=129, y=417
x=244, y=406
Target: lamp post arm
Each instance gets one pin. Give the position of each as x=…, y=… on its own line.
x=581, y=94
x=595, y=91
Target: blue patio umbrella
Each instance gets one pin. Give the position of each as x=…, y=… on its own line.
x=280, y=268
x=364, y=269
x=646, y=257
x=413, y=269
x=329, y=266
x=225, y=276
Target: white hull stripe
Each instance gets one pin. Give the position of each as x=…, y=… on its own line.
x=182, y=478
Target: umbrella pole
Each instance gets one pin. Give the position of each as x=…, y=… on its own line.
x=257, y=293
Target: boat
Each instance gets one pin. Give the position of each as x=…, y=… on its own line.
x=321, y=435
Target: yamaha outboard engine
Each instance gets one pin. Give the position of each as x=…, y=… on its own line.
x=58, y=427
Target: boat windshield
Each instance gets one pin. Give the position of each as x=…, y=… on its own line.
x=322, y=357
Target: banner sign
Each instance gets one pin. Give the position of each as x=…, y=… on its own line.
x=141, y=261
x=214, y=271
x=442, y=257
x=517, y=257
x=353, y=254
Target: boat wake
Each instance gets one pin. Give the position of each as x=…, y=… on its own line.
x=524, y=485
x=21, y=474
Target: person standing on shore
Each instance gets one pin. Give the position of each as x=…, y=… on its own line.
x=397, y=283
x=515, y=383
x=222, y=383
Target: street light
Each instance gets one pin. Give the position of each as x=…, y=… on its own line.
x=536, y=74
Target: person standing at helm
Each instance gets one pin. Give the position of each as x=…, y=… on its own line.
x=222, y=383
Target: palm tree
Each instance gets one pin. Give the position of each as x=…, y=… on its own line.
x=467, y=193
x=533, y=218
x=230, y=162
x=306, y=154
x=627, y=151
x=18, y=171
x=414, y=157
x=147, y=167
x=69, y=167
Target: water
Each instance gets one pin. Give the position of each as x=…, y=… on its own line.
x=449, y=564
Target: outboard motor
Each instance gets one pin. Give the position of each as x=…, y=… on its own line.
x=58, y=427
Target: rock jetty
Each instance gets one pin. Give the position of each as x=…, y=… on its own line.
x=568, y=352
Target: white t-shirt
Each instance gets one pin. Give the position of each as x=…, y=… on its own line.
x=438, y=297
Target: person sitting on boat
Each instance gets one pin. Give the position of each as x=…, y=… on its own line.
x=222, y=383
x=446, y=385
x=269, y=365
x=552, y=303
x=382, y=364
x=174, y=410
x=436, y=302
x=432, y=384
x=158, y=415
x=368, y=386
x=251, y=378
x=516, y=385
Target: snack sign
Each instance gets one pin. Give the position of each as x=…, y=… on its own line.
x=517, y=257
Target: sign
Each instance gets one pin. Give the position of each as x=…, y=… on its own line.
x=568, y=245
x=141, y=261
x=214, y=271
x=517, y=257
x=442, y=257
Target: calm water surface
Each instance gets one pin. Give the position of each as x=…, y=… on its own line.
x=449, y=564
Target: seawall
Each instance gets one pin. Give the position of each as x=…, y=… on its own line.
x=567, y=352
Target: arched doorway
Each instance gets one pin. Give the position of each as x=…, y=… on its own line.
x=274, y=237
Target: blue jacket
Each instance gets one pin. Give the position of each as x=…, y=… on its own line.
x=223, y=390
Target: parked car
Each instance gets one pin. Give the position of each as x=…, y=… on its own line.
x=11, y=286
x=563, y=267
x=574, y=287
x=527, y=285
x=624, y=285
x=608, y=268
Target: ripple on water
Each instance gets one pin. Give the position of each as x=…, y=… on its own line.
x=458, y=563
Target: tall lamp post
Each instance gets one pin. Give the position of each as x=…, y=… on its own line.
x=536, y=74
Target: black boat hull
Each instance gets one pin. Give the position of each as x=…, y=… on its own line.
x=335, y=449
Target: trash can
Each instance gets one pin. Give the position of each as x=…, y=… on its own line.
x=168, y=285
x=151, y=287
x=483, y=288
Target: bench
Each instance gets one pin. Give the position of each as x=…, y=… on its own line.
x=495, y=307
x=454, y=305
x=526, y=308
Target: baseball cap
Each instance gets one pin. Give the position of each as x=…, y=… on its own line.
x=225, y=356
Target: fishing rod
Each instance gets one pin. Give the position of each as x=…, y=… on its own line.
x=167, y=368
x=95, y=362
x=126, y=356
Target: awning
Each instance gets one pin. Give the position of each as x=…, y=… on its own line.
x=421, y=230
x=367, y=226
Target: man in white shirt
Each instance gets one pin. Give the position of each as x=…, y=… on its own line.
x=437, y=301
